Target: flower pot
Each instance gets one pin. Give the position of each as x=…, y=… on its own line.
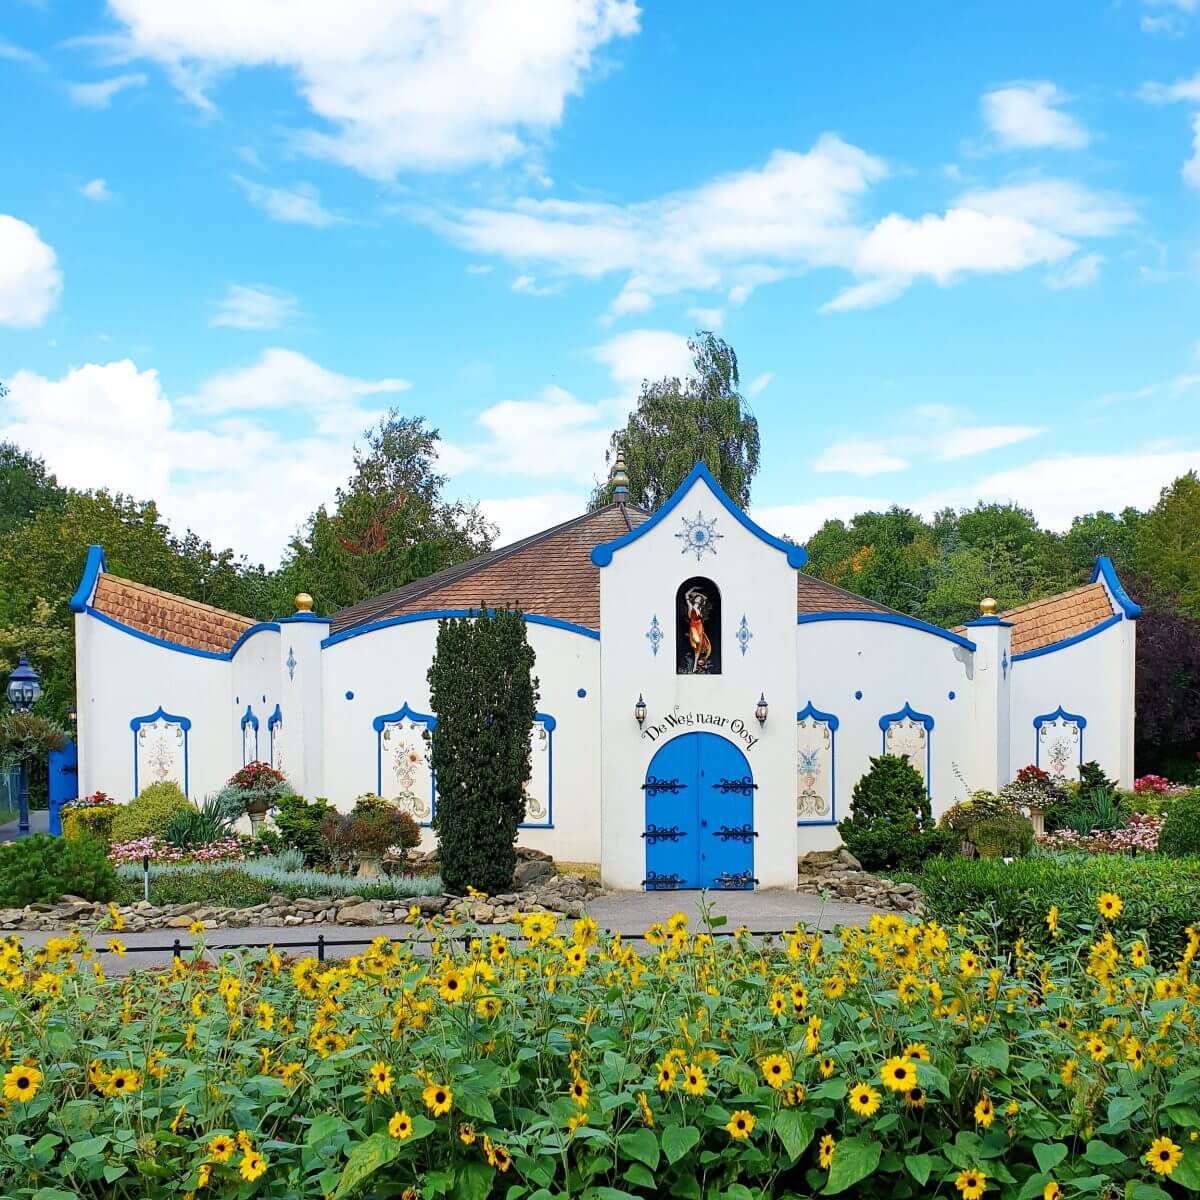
x=256, y=810
x=370, y=864
x=1037, y=817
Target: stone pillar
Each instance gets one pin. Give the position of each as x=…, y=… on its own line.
x=992, y=689
x=301, y=688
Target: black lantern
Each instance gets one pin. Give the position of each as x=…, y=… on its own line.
x=639, y=710
x=24, y=687
x=73, y=716
x=760, y=709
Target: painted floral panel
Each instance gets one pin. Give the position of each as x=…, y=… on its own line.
x=814, y=770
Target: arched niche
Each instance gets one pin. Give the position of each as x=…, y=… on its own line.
x=698, y=627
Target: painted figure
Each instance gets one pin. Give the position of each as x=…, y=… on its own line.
x=697, y=612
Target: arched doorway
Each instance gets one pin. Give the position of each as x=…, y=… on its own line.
x=699, y=815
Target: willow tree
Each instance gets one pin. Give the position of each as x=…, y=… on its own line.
x=678, y=423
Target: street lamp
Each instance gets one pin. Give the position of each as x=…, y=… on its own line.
x=23, y=689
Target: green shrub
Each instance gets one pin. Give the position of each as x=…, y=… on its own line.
x=228, y=887
x=299, y=824
x=1003, y=836
x=1092, y=778
x=41, y=869
x=95, y=822
x=372, y=826
x=213, y=820
x=890, y=822
x=1181, y=831
x=1160, y=898
x=149, y=814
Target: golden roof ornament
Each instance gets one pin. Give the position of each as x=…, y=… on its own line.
x=304, y=602
x=620, y=478
x=987, y=607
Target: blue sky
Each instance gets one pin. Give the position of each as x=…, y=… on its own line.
x=956, y=246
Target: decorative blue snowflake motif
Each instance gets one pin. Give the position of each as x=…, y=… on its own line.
x=655, y=635
x=699, y=536
x=743, y=635
x=1004, y=665
x=291, y=663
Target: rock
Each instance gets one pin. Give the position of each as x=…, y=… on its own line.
x=178, y=922
x=432, y=904
x=529, y=854
x=292, y=919
x=365, y=912
x=845, y=856
x=533, y=870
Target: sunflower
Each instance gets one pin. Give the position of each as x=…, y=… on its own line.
x=778, y=1003
x=579, y=1091
x=1134, y=1054
x=1109, y=905
x=501, y=1159
x=694, y=1082
x=437, y=1098
x=917, y=1050
x=968, y=964
x=908, y=989
x=22, y=1083
x=834, y=987
x=1097, y=1049
x=971, y=1183
x=381, y=1078
x=1138, y=955
x=221, y=1148
x=453, y=986
x=116, y=946
x=1163, y=1156
x=1052, y=920
x=466, y=1134
x=400, y=1126
x=776, y=1070
x=666, y=1076
x=1051, y=1191
x=252, y=1166
x=1067, y=1074
x=827, y=1067
x=864, y=1099
x=646, y=1111
x=915, y=1097
x=898, y=1074
x=741, y=1125
x=826, y=1150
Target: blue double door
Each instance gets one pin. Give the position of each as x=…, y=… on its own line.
x=699, y=815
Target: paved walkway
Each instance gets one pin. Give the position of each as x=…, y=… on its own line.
x=628, y=912
x=39, y=822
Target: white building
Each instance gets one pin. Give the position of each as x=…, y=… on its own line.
x=705, y=706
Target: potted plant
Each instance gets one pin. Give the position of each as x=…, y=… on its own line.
x=258, y=785
x=365, y=834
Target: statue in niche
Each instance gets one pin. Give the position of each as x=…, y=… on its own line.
x=698, y=628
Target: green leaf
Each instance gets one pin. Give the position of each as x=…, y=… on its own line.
x=639, y=1175
x=50, y=1193
x=1101, y=1154
x=993, y=1054
x=854, y=1159
x=919, y=1166
x=677, y=1140
x=365, y=1159
x=1049, y=1155
x=1148, y=1191
x=640, y=1144
x=1187, y=1174
x=1120, y=1109
x=795, y=1129
x=473, y=1181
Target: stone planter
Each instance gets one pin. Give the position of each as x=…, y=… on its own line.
x=1037, y=817
x=369, y=863
x=256, y=810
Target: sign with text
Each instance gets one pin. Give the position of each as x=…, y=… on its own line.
x=680, y=722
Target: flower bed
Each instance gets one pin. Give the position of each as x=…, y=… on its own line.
x=904, y=1060
x=229, y=850
x=1140, y=835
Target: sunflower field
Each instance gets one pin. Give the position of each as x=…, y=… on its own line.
x=905, y=1059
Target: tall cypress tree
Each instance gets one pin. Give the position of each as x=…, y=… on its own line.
x=482, y=688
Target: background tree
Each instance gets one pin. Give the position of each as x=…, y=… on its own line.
x=390, y=524
x=25, y=487
x=678, y=423
x=1167, y=543
x=482, y=688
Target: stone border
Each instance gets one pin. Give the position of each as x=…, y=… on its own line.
x=841, y=875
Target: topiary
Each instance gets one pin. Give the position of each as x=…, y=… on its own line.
x=1092, y=778
x=1181, y=831
x=42, y=869
x=1004, y=836
x=891, y=823
x=299, y=824
x=95, y=822
x=151, y=813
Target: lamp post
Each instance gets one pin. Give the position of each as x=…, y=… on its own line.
x=23, y=689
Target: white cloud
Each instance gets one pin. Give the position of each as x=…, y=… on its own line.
x=528, y=285
x=1059, y=205
x=519, y=516
x=707, y=318
x=1079, y=272
x=30, y=281
x=96, y=189
x=759, y=384
x=1191, y=168
x=285, y=379
x=801, y=521
x=951, y=444
x=643, y=354
x=1059, y=488
x=15, y=53
x=795, y=212
x=859, y=456
x=257, y=306
x=99, y=95
x=424, y=86
x=1186, y=90
x=299, y=205
x=479, y=268
x=1028, y=114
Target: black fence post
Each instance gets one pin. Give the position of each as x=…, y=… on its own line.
x=320, y=947
x=177, y=950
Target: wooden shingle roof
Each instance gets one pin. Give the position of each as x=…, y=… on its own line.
x=166, y=616
x=1055, y=618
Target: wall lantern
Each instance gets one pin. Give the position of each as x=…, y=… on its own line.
x=73, y=716
x=639, y=710
x=760, y=709
x=24, y=687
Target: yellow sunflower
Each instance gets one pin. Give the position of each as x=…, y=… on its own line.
x=381, y=1078
x=899, y=1074
x=1110, y=905
x=971, y=1183
x=400, y=1126
x=776, y=1070
x=1051, y=1191
x=1163, y=1156
x=221, y=1148
x=253, y=1165
x=438, y=1098
x=985, y=1113
x=741, y=1125
x=694, y=1081
x=22, y=1082
x=826, y=1151
x=864, y=1099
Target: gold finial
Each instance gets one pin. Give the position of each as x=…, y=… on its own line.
x=987, y=607
x=304, y=602
x=620, y=477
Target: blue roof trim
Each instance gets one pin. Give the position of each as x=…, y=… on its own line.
x=1105, y=570
x=809, y=711
x=1059, y=713
x=889, y=619
x=276, y=718
x=988, y=621
x=218, y=655
x=906, y=712
x=443, y=614
x=399, y=715
x=160, y=714
x=297, y=617
x=92, y=568
x=1115, y=619
x=602, y=555
x=248, y=718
